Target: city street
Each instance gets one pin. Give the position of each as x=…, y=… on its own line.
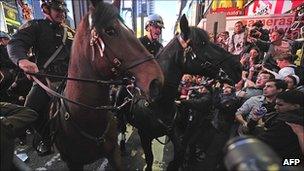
x=133, y=159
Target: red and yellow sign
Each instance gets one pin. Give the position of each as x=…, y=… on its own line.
x=231, y=7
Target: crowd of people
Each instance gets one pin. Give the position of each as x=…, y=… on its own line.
x=267, y=102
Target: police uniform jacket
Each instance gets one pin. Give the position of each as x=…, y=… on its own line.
x=5, y=62
x=153, y=47
x=44, y=37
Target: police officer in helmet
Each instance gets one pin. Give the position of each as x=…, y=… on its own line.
x=44, y=37
x=154, y=26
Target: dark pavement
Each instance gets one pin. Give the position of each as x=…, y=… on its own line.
x=133, y=159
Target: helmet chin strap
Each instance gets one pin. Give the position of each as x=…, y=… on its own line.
x=151, y=36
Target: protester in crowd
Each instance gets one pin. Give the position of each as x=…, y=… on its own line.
x=47, y=37
x=285, y=63
x=270, y=91
x=14, y=121
x=238, y=39
x=257, y=31
x=253, y=89
x=153, y=26
x=225, y=104
x=196, y=111
x=279, y=136
x=251, y=63
x=292, y=81
x=223, y=40
x=184, y=86
x=277, y=46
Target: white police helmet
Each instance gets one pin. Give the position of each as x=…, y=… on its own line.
x=155, y=19
x=55, y=4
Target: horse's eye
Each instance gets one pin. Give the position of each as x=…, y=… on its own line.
x=111, y=31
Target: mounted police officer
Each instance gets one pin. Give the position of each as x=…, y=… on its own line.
x=50, y=40
x=154, y=26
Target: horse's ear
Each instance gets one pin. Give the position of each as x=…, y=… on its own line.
x=95, y=2
x=184, y=27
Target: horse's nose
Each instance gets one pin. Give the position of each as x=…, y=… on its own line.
x=155, y=89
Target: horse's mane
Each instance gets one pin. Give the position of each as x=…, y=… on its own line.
x=198, y=36
x=103, y=14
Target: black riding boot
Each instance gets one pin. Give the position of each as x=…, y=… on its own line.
x=38, y=100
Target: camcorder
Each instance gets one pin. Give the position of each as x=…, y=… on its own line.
x=254, y=33
x=249, y=153
x=258, y=67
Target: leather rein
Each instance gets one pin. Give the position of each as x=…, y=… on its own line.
x=117, y=69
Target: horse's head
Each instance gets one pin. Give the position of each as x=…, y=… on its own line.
x=200, y=56
x=112, y=50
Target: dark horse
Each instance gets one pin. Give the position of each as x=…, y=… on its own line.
x=191, y=52
x=103, y=49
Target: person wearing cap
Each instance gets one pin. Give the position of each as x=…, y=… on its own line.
x=7, y=67
x=44, y=36
x=153, y=26
x=285, y=63
x=292, y=81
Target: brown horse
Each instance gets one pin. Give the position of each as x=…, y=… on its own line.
x=103, y=49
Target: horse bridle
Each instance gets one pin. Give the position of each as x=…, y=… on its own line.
x=188, y=50
x=116, y=65
x=116, y=70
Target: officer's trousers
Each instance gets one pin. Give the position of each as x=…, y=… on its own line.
x=39, y=100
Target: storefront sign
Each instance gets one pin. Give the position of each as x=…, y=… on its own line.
x=271, y=22
x=11, y=15
x=230, y=7
x=266, y=7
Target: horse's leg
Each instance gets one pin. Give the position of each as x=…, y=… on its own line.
x=115, y=159
x=74, y=166
x=122, y=129
x=179, y=153
x=146, y=144
x=180, y=146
